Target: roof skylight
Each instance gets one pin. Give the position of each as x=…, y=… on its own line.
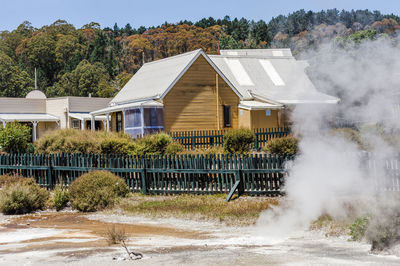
x=271, y=72
x=239, y=72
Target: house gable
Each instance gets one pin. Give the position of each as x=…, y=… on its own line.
x=191, y=103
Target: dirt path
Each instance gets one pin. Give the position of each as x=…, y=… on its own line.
x=50, y=238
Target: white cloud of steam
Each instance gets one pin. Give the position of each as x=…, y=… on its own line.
x=327, y=171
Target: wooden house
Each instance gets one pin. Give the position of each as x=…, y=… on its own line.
x=195, y=91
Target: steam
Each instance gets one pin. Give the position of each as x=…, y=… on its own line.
x=330, y=169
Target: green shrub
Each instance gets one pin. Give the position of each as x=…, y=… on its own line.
x=14, y=138
x=239, y=140
x=285, y=145
x=213, y=150
x=22, y=197
x=152, y=144
x=96, y=190
x=60, y=198
x=174, y=148
x=358, y=228
x=116, y=144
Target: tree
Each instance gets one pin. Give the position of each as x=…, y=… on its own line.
x=85, y=79
x=14, y=82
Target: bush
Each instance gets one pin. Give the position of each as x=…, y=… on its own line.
x=83, y=141
x=96, y=190
x=154, y=144
x=60, y=198
x=14, y=138
x=350, y=135
x=116, y=144
x=384, y=228
x=358, y=228
x=10, y=179
x=174, y=148
x=285, y=145
x=22, y=197
x=239, y=140
x=213, y=150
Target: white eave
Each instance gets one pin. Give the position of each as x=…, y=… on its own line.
x=11, y=117
x=86, y=116
x=256, y=105
x=122, y=107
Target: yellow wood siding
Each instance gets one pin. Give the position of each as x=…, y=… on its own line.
x=191, y=103
x=245, y=118
x=260, y=120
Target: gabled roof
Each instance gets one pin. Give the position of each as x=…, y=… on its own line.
x=155, y=79
x=272, y=74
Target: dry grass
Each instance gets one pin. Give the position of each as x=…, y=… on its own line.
x=240, y=212
x=331, y=227
x=115, y=235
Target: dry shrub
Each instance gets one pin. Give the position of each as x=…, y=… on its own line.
x=96, y=190
x=22, y=195
x=115, y=235
x=10, y=179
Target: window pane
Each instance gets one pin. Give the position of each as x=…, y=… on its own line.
x=133, y=118
x=227, y=116
x=153, y=117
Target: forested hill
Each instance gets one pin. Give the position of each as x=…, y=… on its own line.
x=72, y=61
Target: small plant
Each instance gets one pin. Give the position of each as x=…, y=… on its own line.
x=14, y=138
x=60, y=197
x=117, y=144
x=22, y=197
x=174, y=148
x=285, y=145
x=115, y=236
x=96, y=190
x=239, y=140
x=358, y=228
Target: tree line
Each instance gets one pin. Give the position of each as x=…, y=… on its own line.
x=99, y=61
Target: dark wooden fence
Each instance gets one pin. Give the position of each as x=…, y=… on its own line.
x=208, y=138
x=250, y=174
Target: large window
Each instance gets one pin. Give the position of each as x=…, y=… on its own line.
x=141, y=121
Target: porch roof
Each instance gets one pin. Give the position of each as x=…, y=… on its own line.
x=86, y=116
x=11, y=117
x=256, y=105
x=121, y=107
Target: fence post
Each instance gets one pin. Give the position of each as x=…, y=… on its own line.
x=143, y=175
x=49, y=173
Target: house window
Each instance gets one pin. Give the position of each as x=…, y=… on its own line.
x=227, y=116
x=119, y=121
x=141, y=121
x=76, y=123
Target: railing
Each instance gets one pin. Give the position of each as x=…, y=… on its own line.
x=208, y=138
x=198, y=174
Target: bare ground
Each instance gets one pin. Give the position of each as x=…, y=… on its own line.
x=50, y=238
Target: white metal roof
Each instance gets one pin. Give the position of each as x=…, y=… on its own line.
x=285, y=52
x=155, y=79
x=277, y=78
x=121, y=107
x=86, y=116
x=7, y=117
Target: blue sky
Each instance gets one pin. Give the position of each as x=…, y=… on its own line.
x=152, y=12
